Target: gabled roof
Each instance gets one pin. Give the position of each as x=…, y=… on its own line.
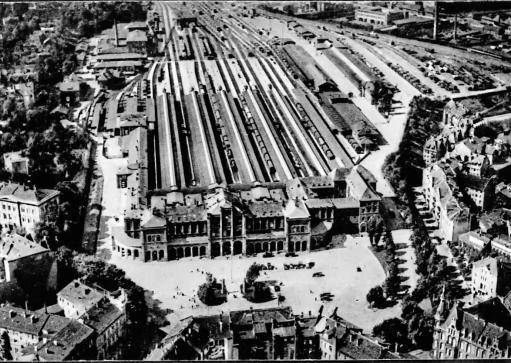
x=359, y=187
x=296, y=209
x=155, y=222
x=80, y=294
x=14, y=247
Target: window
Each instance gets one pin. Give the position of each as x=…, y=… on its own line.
x=153, y=238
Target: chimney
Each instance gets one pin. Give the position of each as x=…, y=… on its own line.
x=116, y=34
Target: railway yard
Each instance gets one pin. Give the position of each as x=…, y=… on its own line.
x=232, y=114
x=253, y=104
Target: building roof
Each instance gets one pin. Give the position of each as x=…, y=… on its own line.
x=15, y=156
x=479, y=317
x=15, y=247
x=69, y=86
x=102, y=316
x=80, y=295
x=296, y=209
x=266, y=209
x=253, y=316
x=119, y=57
x=118, y=64
x=473, y=182
x=359, y=187
x=315, y=203
x=137, y=36
x=155, y=222
x=16, y=192
x=192, y=213
x=64, y=343
x=413, y=20
x=17, y=319
x=358, y=346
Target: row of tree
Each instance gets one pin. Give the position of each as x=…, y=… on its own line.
x=381, y=296
x=415, y=328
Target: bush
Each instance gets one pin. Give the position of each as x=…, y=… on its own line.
x=394, y=331
x=211, y=293
x=375, y=297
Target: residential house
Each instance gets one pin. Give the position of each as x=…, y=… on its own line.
x=19, y=252
x=480, y=190
x=476, y=332
x=491, y=277
x=24, y=207
x=52, y=337
x=268, y=334
x=444, y=200
x=16, y=162
x=474, y=240
x=102, y=311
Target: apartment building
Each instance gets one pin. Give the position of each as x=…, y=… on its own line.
x=22, y=207
x=490, y=278
x=271, y=333
x=445, y=201
x=476, y=332
x=100, y=310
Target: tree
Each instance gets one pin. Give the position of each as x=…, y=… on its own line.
x=374, y=228
x=393, y=331
x=5, y=346
x=9, y=106
x=375, y=297
x=207, y=294
x=392, y=285
x=253, y=273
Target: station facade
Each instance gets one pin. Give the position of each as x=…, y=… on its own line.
x=294, y=216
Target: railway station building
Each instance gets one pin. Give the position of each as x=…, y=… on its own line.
x=294, y=216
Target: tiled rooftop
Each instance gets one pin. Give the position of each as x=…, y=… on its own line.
x=102, y=316
x=22, y=193
x=14, y=247
x=63, y=344
x=79, y=294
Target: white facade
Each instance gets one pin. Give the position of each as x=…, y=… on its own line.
x=20, y=208
x=484, y=281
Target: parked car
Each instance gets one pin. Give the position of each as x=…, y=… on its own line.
x=318, y=274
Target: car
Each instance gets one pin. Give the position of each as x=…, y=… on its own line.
x=268, y=254
x=291, y=254
x=318, y=274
